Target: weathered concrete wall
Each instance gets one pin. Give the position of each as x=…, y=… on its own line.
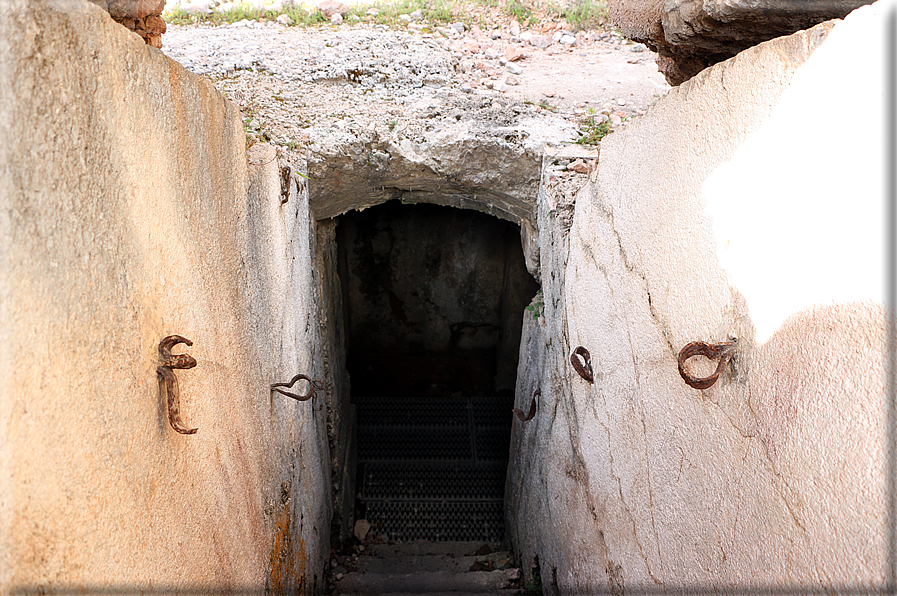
x=340, y=410
x=775, y=476
x=128, y=213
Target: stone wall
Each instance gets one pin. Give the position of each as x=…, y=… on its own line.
x=129, y=212
x=728, y=212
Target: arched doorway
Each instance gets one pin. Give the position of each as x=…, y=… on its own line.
x=434, y=299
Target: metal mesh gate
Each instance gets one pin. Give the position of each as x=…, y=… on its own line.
x=434, y=468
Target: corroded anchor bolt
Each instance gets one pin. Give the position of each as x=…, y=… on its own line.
x=285, y=174
x=168, y=383
x=313, y=386
x=584, y=368
x=725, y=351
x=532, y=408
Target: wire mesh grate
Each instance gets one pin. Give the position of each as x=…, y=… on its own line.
x=481, y=521
x=492, y=411
x=453, y=481
x=434, y=468
x=407, y=411
x=493, y=444
x=389, y=443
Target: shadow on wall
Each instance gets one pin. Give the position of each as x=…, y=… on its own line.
x=434, y=299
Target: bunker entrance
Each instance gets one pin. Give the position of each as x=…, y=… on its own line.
x=434, y=300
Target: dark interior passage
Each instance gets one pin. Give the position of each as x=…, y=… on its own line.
x=434, y=299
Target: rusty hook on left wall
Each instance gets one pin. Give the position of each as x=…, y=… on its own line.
x=313, y=386
x=168, y=383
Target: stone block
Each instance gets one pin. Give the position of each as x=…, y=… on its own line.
x=690, y=35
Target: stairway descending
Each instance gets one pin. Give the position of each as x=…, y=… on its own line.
x=423, y=567
x=431, y=481
x=434, y=468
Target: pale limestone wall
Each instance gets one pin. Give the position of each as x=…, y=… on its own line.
x=775, y=477
x=128, y=213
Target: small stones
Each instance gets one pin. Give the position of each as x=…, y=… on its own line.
x=514, y=53
x=459, y=27
x=578, y=166
x=514, y=69
x=330, y=7
x=540, y=41
x=362, y=527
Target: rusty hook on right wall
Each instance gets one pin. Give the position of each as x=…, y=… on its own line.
x=532, y=408
x=725, y=351
x=584, y=368
x=286, y=174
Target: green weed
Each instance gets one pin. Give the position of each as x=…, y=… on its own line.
x=547, y=106
x=583, y=15
x=537, y=305
x=595, y=131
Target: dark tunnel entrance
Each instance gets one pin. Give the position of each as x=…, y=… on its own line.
x=434, y=300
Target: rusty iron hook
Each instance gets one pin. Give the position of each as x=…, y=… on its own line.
x=584, y=370
x=725, y=351
x=313, y=386
x=286, y=173
x=532, y=408
x=168, y=382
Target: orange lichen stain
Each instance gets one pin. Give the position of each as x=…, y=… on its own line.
x=287, y=561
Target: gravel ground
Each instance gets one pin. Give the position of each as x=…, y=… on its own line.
x=288, y=80
x=322, y=93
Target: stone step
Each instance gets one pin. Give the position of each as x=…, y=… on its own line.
x=427, y=548
x=500, y=593
x=404, y=563
x=428, y=582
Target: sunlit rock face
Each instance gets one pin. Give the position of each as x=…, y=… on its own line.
x=719, y=216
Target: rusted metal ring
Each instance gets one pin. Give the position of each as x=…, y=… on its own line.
x=532, y=408
x=168, y=382
x=725, y=351
x=313, y=385
x=584, y=370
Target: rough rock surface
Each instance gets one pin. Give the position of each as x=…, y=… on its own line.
x=690, y=35
x=143, y=17
x=382, y=114
x=129, y=212
x=775, y=478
